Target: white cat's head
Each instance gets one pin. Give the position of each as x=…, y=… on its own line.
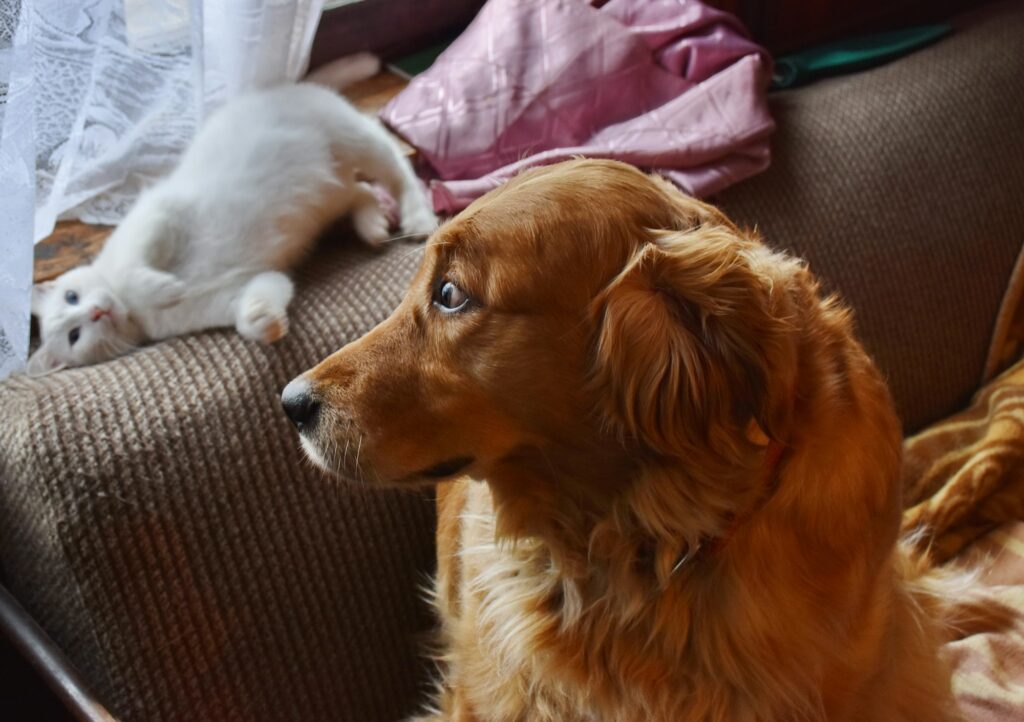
x=81, y=321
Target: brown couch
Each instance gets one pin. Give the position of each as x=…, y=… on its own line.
x=158, y=520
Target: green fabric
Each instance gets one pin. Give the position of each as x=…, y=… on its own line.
x=409, y=66
x=851, y=55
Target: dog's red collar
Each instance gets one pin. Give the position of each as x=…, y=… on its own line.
x=768, y=483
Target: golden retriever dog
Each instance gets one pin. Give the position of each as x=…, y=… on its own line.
x=668, y=474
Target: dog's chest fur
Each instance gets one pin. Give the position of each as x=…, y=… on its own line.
x=525, y=643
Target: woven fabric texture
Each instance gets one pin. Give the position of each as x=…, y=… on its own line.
x=903, y=186
x=157, y=518
x=156, y=515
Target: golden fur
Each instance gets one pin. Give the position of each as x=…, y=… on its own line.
x=631, y=554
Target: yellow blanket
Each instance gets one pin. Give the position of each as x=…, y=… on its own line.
x=964, y=483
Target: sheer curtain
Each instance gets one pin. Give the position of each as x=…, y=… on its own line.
x=99, y=97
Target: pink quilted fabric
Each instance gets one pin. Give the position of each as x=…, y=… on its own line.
x=669, y=85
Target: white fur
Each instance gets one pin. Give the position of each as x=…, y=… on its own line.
x=206, y=247
x=344, y=71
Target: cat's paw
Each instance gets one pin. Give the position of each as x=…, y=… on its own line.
x=156, y=289
x=260, y=322
x=371, y=224
x=418, y=222
x=169, y=293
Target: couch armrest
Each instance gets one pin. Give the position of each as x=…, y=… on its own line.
x=159, y=521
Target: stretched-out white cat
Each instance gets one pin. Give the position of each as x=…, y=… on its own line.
x=208, y=246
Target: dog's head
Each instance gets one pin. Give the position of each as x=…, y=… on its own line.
x=576, y=322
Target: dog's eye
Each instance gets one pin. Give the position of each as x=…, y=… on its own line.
x=71, y=297
x=450, y=298
x=73, y=335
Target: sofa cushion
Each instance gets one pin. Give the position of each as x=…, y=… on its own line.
x=903, y=186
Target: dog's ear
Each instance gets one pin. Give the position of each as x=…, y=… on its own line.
x=686, y=339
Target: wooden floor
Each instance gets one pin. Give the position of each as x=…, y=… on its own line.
x=73, y=243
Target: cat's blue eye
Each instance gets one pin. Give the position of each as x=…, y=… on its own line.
x=73, y=335
x=72, y=298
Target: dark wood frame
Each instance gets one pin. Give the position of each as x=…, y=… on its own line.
x=389, y=28
x=46, y=658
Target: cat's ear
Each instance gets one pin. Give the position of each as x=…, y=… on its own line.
x=40, y=292
x=44, y=360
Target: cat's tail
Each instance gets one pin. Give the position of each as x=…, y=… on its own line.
x=343, y=72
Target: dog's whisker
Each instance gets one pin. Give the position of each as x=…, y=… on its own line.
x=405, y=236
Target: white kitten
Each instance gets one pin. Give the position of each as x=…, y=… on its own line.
x=206, y=247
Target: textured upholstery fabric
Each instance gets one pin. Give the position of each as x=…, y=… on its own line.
x=903, y=186
x=156, y=517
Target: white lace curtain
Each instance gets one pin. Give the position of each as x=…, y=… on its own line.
x=99, y=97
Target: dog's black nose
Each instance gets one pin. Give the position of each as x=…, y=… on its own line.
x=299, y=403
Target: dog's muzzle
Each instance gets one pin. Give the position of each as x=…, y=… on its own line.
x=301, y=405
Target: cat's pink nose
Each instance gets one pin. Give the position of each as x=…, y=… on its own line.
x=97, y=313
